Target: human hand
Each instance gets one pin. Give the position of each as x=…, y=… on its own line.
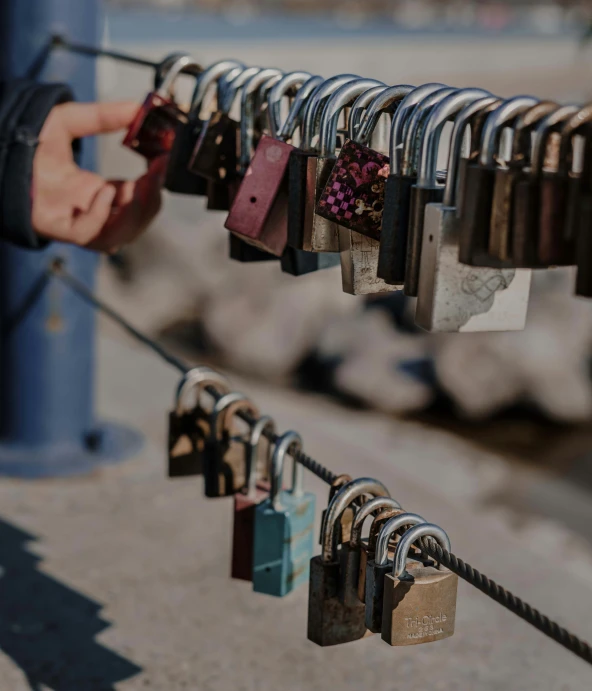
x=79, y=206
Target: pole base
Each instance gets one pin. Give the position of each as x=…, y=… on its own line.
x=110, y=443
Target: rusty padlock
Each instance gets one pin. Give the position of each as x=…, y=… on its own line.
x=419, y=605
x=506, y=178
x=225, y=450
x=558, y=181
x=153, y=130
x=255, y=490
x=330, y=621
x=259, y=214
x=179, y=178
x=526, y=205
x=189, y=424
x=477, y=198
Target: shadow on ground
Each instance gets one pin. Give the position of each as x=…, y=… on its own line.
x=48, y=629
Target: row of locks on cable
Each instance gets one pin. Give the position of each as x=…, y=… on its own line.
x=358, y=586
x=343, y=171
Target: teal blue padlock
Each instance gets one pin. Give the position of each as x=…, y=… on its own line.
x=284, y=525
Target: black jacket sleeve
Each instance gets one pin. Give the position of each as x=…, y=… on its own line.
x=24, y=106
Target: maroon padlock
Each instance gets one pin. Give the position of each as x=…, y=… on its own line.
x=255, y=491
x=153, y=131
x=259, y=214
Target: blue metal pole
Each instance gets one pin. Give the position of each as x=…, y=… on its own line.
x=47, y=348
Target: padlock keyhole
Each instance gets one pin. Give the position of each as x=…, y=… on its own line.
x=253, y=200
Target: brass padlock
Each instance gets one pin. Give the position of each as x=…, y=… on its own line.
x=419, y=606
x=330, y=621
x=371, y=508
x=189, y=425
x=225, y=452
x=427, y=190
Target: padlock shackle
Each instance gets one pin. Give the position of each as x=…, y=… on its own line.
x=571, y=128
x=298, y=108
x=218, y=414
x=496, y=122
x=525, y=123
x=184, y=63
x=414, y=127
x=389, y=529
x=403, y=113
x=410, y=537
x=263, y=424
x=343, y=97
x=541, y=134
x=166, y=63
x=290, y=442
x=249, y=94
x=358, y=109
x=462, y=120
x=229, y=88
x=199, y=377
x=369, y=509
x=388, y=101
x=346, y=495
x=311, y=116
x=447, y=109
x=276, y=95
x=210, y=76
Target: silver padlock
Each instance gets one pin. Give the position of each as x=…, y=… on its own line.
x=455, y=297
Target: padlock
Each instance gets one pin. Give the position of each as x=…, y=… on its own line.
x=259, y=214
x=242, y=252
x=302, y=164
x=507, y=177
x=299, y=262
x=526, y=205
x=397, y=191
x=427, y=190
x=477, y=199
x=319, y=234
x=451, y=296
x=215, y=156
x=189, y=423
x=255, y=491
x=348, y=515
x=353, y=197
x=179, y=178
x=224, y=457
x=153, y=130
x=371, y=508
x=330, y=620
x=378, y=567
x=556, y=225
x=284, y=524
x=419, y=606
x=583, y=226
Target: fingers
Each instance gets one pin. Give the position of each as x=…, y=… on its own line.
x=88, y=225
x=88, y=119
